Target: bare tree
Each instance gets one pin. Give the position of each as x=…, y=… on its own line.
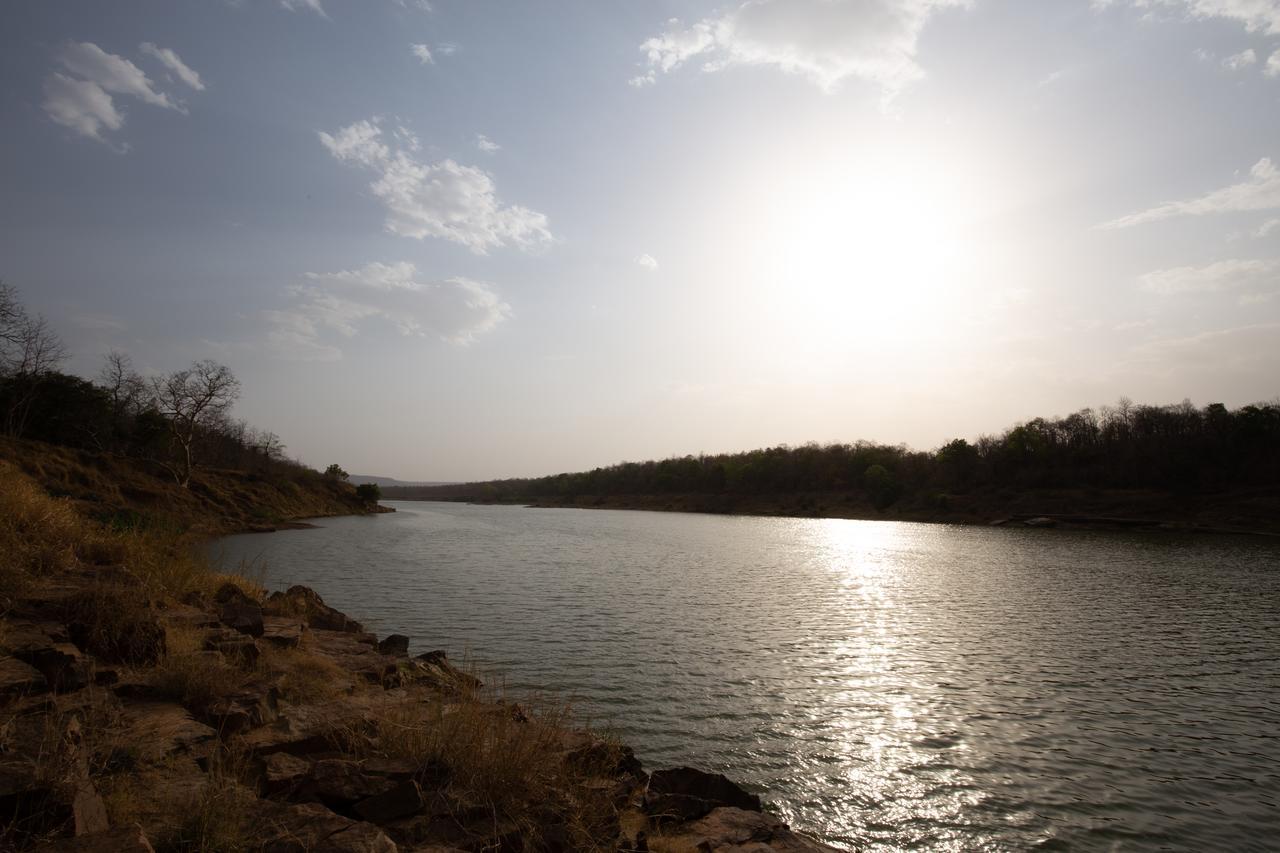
x=191, y=400
x=29, y=352
x=126, y=388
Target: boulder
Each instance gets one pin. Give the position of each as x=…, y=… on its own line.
x=307, y=604
x=311, y=828
x=396, y=645
x=18, y=678
x=253, y=706
x=731, y=830
x=161, y=729
x=683, y=794
x=434, y=668
x=241, y=616
x=350, y=653
x=283, y=632
x=402, y=800
x=340, y=783
x=122, y=839
x=282, y=773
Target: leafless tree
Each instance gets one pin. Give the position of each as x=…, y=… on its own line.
x=29, y=352
x=126, y=388
x=191, y=400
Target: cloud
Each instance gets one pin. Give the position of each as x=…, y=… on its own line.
x=826, y=41
x=329, y=307
x=171, y=61
x=1272, y=68
x=1259, y=16
x=486, y=144
x=1214, y=278
x=1241, y=60
x=81, y=105
x=81, y=99
x=1269, y=227
x=423, y=53
x=1261, y=191
x=442, y=199
x=647, y=261
x=112, y=73
x=313, y=5
x=1243, y=350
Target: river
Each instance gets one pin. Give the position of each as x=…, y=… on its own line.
x=883, y=685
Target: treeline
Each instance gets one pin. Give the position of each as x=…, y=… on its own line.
x=1128, y=446
x=175, y=421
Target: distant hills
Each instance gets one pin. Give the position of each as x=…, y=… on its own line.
x=383, y=482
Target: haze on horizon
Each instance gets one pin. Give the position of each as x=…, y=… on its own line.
x=462, y=240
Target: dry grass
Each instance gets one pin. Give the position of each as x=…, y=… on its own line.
x=305, y=678
x=188, y=675
x=39, y=535
x=509, y=763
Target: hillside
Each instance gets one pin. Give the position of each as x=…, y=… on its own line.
x=1157, y=466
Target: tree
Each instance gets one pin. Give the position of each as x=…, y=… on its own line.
x=335, y=472
x=369, y=492
x=29, y=353
x=192, y=400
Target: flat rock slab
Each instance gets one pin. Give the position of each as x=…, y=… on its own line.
x=122, y=839
x=20, y=679
x=282, y=631
x=731, y=830
x=163, y=728
x=311, y=828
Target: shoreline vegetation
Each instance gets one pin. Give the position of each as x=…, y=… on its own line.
x=150, y=702
x=1173, y=468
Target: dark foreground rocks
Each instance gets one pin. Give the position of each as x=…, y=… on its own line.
x=237, y=722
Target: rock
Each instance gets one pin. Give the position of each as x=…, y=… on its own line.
x=304, y=602
x=311, y=828
x=283, y=773
x=45, y=647
x=284, y=632
x=594, y=755
x=254, y=706
x=18, y=678
x=161, y=729
x=122, y=839
x=434, y=668
x=396, y=645
x=340, y=783
x=242, y=616
x=351, y=654
x=400, y=801
x=731, y=830
x=235, y=647
x=683, y=793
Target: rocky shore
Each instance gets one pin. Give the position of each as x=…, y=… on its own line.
x=234, y=720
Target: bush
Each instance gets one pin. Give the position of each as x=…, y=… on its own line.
x=369, y=492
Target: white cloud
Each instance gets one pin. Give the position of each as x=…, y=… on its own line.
x=486, y=144
x=826, y=41
x=313, y=5
x=171, y=61
x=446, y=48
x=1214, y=278
x=80, y=105
x=1269, y=227
x=1261, y=191
x=1244, y=350
x=1241, y=60
x=112, y=73
x=1256, y=15
x=82, y=98
x=647, y=261
x=423, y=53
x=1272, y=68
x=329, y=307
x=442, y=199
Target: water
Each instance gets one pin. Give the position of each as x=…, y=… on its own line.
x=884, y=685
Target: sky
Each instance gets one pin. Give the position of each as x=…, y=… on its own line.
x=461, y=239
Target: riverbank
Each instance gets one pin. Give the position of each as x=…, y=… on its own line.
x=148, y=702
x=1240, y=512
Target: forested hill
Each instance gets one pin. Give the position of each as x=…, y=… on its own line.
x=1206, y=466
